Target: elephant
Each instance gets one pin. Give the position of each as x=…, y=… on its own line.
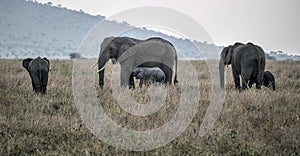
x=149, y=75
x=247, y=60
x=268, y=80
x=38, y=69
x=132, y=53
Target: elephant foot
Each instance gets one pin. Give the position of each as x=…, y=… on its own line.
x=175, y=81
x=131, y=87
x=238, y=87
x=258, y=87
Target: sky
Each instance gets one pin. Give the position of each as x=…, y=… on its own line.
x=272, y=24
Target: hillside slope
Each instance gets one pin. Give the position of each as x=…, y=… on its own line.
x=29, y=29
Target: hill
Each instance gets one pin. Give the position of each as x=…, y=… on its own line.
x=31, y=29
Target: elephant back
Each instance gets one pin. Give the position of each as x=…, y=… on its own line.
x=151, y=50
x=39, y=64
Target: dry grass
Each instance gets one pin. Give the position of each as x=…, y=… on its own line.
x=252, y=122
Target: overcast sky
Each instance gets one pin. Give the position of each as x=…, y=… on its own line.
x=272, y=24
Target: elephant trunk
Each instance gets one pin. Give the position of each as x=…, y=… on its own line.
x=221, y=72
x=101, y=63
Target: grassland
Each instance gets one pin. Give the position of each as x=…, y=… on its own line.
x=252, y=122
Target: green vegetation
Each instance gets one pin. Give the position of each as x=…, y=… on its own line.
x=253, y=122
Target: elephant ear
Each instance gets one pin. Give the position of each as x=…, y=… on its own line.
x=228, y=55
x=124, y=45
x=26, y=63
x=46, y=60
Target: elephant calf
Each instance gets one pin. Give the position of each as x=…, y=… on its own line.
x=149, y=75
x=38, y=69
x=269, y=80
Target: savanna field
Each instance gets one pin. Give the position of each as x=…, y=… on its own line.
x=252, y=122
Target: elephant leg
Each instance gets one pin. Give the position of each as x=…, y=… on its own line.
x=251, y=82
x=44, y=81
x=168, y=72
x=236, y=78
x=259, y=81
x=125, y=75
x=131, y=82
x=148, y=82
x=36, y=85
x=273, y=85
x=246, y=77
x=141, y=83
x=244, y=83
x=36, y=82
x=101, y=78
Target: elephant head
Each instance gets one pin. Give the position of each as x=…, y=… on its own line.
x=112, y=48
x=138, y=73
x=225, y=59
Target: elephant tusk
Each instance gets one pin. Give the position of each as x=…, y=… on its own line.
x=92, y=66
x=100, y=69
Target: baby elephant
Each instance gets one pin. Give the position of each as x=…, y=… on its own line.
x=149, y=75
x=269, y=80
x=38, y=69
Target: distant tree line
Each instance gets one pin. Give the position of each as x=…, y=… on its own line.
x=75, y=55
x=269, y=57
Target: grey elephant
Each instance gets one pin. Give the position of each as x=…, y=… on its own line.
x=268, y=80
x=38, y=69
x=132, y=53
x=247, y=60
x=149, y=75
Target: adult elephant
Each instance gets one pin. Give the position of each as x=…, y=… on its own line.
x=38, y=69
x=132, y=53
x=247, y=60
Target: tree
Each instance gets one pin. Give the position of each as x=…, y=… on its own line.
x=74, y=55
x=269, y=57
